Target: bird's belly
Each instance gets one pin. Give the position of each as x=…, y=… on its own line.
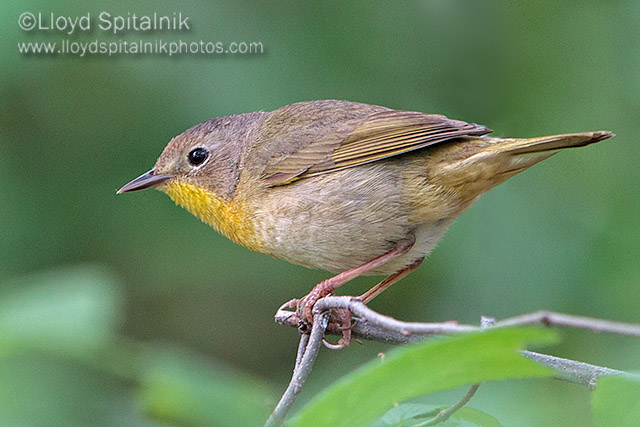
x=339, y=230
x=339, y=251
x=427, y=236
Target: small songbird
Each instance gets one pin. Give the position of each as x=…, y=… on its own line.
x=351, y=188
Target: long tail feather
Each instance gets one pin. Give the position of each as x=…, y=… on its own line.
x=551, y=142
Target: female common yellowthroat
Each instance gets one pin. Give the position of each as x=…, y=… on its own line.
x=346, y=187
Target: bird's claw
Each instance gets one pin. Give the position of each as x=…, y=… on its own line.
x=339, y=320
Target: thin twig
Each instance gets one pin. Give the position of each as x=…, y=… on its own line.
x=374, y=326
x=446, y=413
x=302, y=346
x=302, y=369
x=573, y=371
x=358, y=308
x=544, y=318
x=549, y=318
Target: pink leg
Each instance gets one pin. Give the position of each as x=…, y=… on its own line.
x=341, y=318
x=324, y=288
x=380, y=287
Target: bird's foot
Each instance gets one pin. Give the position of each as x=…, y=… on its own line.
x=304, y=306
x=339, y=320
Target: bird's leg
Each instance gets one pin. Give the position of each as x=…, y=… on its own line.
x=342, y=317
x=390, y=280
x=326, y=287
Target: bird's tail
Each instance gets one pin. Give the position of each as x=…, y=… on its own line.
x=513, y=155
x=546, y=144
x=482, y=163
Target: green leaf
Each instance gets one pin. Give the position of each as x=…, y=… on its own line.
x=435, y=365
x=71, y=309
x=410, y=414
x=476, y=417
x=182, y=389
x=616, y=401
x=406, y=411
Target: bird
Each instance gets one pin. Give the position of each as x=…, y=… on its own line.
x=350, y=188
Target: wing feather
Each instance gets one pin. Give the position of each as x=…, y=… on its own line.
x=382, y=135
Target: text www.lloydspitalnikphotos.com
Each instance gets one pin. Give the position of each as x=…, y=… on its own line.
x=111, y=24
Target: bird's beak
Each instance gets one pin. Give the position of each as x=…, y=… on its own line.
x=149, y=179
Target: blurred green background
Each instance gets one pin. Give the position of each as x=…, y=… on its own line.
x=128, y=311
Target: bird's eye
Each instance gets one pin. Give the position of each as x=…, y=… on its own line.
x=197, y=156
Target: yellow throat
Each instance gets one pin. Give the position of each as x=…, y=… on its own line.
x=228, y=218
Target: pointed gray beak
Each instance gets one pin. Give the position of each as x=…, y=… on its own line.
x=149, y=179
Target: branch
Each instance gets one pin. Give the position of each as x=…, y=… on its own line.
x=571, y=370
x=549, y=318
x=543, y=318
x=307, y=352
x=445, y=414
x=374, y=326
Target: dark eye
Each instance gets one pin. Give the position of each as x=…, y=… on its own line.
x=197, y=156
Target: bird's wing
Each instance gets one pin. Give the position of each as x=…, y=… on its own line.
x=383, y=134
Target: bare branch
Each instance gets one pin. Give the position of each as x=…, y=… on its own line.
x=302, y=346
x=544, y=318
x=307, y=352
x=571, y=370
x=549, y=318
x=445, y=414
x=358, y=308
x=374, y=326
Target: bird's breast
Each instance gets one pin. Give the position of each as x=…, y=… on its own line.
x=230, y=218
